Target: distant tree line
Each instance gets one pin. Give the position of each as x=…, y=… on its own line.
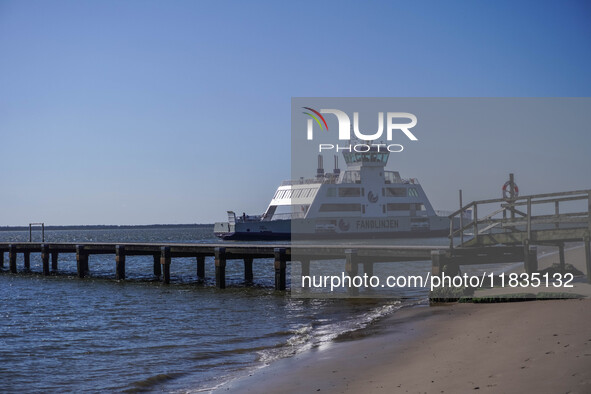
x=108, y=227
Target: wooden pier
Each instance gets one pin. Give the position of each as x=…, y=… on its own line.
x=163, y=255
x=510, y=233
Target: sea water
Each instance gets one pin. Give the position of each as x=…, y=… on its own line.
x=62, y=333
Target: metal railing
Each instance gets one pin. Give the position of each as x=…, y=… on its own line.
x=31, y=231
x=331, y=180
x=309, y=181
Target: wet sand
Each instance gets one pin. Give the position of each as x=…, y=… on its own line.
x=535, y=346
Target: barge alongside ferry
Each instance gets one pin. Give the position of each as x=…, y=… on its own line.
x=364, y=201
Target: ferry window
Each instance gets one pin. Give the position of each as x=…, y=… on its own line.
x=352, y=177
x=313, y=192
x=349, y=192
x=347, y=157
x=420, y=207
x=395, y=192
x=412, y=192
x=284, y=194
x=358, y=157
x=331, y=192
x=340, y=208
x=389, y=177
x=398, y=207
x=392, y=177
x=296, y=193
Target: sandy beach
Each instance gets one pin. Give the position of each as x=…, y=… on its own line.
x=517, y=347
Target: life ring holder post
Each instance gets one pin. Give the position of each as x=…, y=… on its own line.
x=510, y=193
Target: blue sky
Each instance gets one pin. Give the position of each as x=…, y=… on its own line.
x=173, y=112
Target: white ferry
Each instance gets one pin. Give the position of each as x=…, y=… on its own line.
x=364, y=201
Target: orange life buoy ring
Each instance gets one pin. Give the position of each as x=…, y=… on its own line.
x=507, y=190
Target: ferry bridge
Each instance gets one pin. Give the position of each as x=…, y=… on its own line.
x=509, y=233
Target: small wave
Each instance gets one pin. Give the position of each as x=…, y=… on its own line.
x=314, y=335
x=151, y=382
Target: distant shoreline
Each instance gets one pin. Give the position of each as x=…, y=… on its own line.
x=106, y=226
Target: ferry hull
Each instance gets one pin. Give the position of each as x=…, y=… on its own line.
x=248, y=236
x=314, y=229
x=236, y=236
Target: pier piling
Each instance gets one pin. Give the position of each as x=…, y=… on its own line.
x=220, y=267
x=305, y=267
x=201, y=267
x=248, y=276
x=157, y=266
x=81, y=261
x=27, y=258
x=54, y=256
x=165, y=262
x=351, y=265
x=12, y=258
x=368, y=269
x=120, y=262
x=438, y=261
x=280, y=269
x=352, y=268
x=562, y=259
x=45, y=258
x=530, y=254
